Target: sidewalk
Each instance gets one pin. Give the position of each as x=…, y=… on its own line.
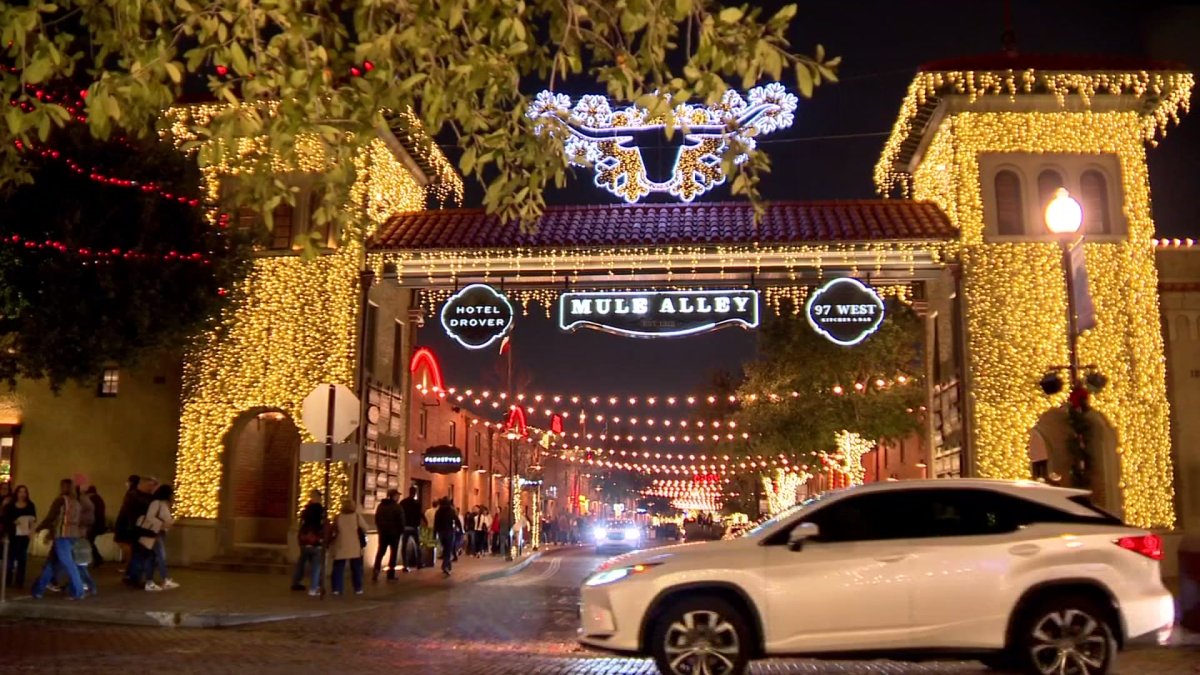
x=220, y=599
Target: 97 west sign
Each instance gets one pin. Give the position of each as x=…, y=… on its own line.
x=657, y=314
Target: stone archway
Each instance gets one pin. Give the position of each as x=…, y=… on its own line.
x=260, y=477
x=1049, y=457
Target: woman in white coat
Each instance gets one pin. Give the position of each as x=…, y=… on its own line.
x=348, y=532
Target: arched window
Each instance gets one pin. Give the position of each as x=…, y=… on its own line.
x=1094, y=194
x=1010, y=208
x=1048, y=181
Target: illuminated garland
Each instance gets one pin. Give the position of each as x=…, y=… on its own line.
x=1170, y=90
x=1016, y=320
x=445, y=268
x=291, y=326
x=781, y=488
x=850, y=449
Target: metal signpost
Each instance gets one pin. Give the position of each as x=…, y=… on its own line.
x=334, y=408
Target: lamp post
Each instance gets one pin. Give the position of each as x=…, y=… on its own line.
x=1064, y=217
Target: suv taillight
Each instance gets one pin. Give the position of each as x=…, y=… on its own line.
x=1149, y=545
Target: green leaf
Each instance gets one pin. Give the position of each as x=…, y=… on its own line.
x=467, y=161
x=730, y=15
x=238, y=59
x=173, y=71
x=785, y=14
x=804, y=80
x=683, y=8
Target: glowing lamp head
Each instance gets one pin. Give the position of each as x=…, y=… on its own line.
x=1063, y=213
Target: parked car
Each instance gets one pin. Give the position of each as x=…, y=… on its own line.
x=1016, y=574
x=624, y=535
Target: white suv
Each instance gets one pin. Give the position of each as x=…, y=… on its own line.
x=1016, y=574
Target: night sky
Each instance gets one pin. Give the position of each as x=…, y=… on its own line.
x=829, y=153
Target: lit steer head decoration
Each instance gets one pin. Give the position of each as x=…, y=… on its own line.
x=610, y=140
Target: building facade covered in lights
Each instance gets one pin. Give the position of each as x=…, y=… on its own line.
x=979, y=146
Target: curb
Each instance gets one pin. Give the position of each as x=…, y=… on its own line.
x=130, y=617
x=508, y=571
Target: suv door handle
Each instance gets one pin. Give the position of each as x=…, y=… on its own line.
x=1025, y=550
x=892, y=558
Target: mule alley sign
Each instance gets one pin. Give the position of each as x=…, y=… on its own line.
x=477, y=316
x=657, y=314
x=845, y=311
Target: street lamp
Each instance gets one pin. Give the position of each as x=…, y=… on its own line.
x=1064, y=217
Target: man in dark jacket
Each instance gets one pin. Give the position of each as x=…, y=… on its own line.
x=142, y=558
x=389, y=525
x=310, y=537
x=410, y=510
x=99, y=525
x=123, y=527
x=447, y=526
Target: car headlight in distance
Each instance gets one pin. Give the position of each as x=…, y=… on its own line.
x=598, y=533
x=615, y=574
x=632, y=533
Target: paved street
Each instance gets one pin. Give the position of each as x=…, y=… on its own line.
x=523, y=624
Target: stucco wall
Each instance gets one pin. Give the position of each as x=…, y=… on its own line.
x=101, y=439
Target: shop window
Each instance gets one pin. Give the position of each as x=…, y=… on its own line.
x=8, y=452
x=1093, y=189
x=110, y=381
x=454, y=434
x=423, y=423
x=478, y=444
x=398, y=362
x=1010, y=208
x=282, y=227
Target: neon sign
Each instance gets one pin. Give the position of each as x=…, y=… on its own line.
x=610, y=141
x=657, y=314
x=845, y=311
x=477, y=316
x=444, y=459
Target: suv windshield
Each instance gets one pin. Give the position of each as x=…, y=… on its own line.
x=783, y=515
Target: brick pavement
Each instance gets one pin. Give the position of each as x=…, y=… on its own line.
x=509, y=627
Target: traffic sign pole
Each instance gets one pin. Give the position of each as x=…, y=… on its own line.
x=328, y=496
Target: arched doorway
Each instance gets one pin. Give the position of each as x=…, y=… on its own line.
x=258, y=499
x=1049, y=457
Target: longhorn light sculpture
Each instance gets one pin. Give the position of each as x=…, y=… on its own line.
x=610, y=141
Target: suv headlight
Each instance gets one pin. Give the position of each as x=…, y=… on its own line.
x=616, y=574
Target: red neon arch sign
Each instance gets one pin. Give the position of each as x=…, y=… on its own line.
x=516, y=421
x=424, y=358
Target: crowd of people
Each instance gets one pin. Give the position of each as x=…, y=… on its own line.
x=73, y=521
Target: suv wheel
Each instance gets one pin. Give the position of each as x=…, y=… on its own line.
x=1066, y=636
x=701, y=636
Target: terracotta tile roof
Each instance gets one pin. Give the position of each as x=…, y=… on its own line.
x=709, y=223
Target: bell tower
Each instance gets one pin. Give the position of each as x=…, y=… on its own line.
x=991, y=139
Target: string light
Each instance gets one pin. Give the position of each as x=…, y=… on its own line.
x=292, y=326
x=1015, y=325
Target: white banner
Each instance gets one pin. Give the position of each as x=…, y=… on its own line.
x=1085, y=309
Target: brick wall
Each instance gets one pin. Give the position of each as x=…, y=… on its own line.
x=262, y=469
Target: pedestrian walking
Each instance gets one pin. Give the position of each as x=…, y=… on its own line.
x=389, y=526
x=63, y=523
x=141, y=557
x=497, y=520
x=483, y=524
x=18, y=518
x=469, y=530
x=349, y=533
x=458, y=533
x=81, y=548
x=99, y=525
x=447, y=526
x=564, y=529
x=410, y=510
x=520, y=529
x=159, y=520
x=6, y=495
x=123, y=527
x=310, y=537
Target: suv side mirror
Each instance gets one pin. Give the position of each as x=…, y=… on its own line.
x=801, y=532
